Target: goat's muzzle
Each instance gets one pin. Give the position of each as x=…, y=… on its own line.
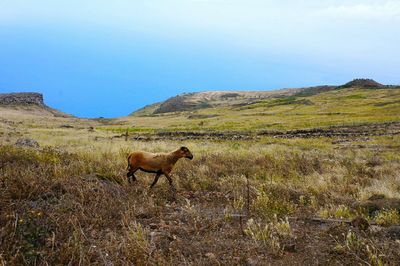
x=190, y=157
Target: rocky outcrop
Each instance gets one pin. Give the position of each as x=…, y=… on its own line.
x=180, y=103
x=343, y=132
x=363, y=83
x=31, y=102
x=22, y=98
x=27, y=143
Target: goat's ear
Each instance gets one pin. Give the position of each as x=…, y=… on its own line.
x=184, y=148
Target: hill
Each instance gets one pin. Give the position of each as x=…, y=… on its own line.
x=288, y=109
x=207, y=99
x=27, y=103
x=210, y=99
x=363, y=83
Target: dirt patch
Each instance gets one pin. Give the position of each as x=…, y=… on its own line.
x=199, y=116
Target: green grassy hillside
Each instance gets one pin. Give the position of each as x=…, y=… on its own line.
x=342, y=106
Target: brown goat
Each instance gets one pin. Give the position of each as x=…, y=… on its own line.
x=158, y=163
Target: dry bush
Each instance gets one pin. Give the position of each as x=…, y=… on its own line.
x=272, y=235
x=268, y=206
x=387, y=217
x=365, y=250
x=331, y=211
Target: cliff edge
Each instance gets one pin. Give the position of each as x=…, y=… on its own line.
x=22, y=98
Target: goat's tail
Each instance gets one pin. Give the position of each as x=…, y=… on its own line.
x=129, y=164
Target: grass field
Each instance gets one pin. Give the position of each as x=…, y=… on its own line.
x=337, y=107
x=263, y=201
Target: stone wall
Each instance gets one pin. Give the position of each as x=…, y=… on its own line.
x=21, y=98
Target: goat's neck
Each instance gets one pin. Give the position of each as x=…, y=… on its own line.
x=173, y=157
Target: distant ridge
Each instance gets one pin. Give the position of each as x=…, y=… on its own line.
x=209, y=99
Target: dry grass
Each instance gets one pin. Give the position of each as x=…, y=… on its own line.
x=71, y=203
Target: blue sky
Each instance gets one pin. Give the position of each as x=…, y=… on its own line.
x=107, y=58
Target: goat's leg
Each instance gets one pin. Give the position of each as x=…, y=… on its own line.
x=170, y=181
x=155, y=180
x=131, y=173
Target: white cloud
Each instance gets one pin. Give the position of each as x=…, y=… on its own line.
x=388, y=10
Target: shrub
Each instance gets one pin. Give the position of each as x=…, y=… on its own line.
x=387, y=217
x=272, y=235
x=332, y=211
x=268, y=206
x=362, y=249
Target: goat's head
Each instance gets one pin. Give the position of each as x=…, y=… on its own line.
x=184, y=152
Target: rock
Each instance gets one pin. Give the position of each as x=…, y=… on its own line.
x=153, y=226
x=360, y=223
x=160, y=240
x=290, y=248
x=376, y=229
x=393, y=232
x=27, y=143
x=210, y=256
x=66, y=126
x=376, y=197
x=251, y=262
x=21, y=98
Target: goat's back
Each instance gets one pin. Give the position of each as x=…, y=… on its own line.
x=148, y=160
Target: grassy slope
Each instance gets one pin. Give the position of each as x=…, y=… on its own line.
x=69, y=201
x=338, y=107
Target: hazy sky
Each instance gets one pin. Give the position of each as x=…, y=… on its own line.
x=107, y=58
